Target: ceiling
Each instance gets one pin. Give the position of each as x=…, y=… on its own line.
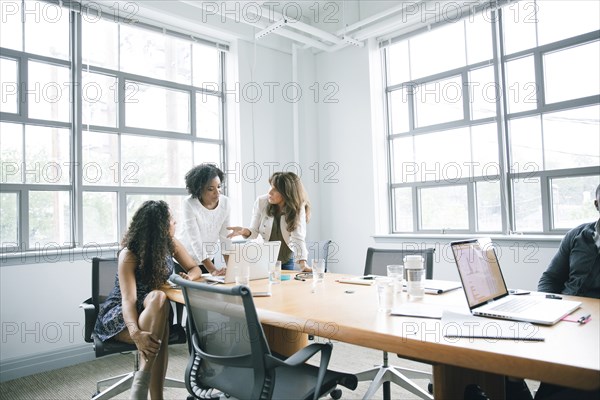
x=323, y=25
x=312, y=24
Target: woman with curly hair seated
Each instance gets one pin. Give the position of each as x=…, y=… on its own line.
x=137, y=311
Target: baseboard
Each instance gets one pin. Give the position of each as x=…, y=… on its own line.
x=24, y=366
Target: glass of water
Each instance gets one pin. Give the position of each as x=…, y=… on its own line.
x=275, y=272
x=396, y=272
x=318, y=270
x=242, y=275
x=385, y=293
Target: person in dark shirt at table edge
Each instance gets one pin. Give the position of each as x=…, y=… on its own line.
x=574, y=270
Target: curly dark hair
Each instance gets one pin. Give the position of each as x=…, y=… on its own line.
x=149, y=239
x=197, y=178
x=289, y=185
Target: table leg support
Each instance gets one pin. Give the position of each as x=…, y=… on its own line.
x=449, y=382
x=284, y=341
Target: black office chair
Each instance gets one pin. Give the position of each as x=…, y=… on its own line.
x=178, y=306
x=378, y=260
x=231, y=354
x=318, y=249
x=376, y=263
x=103, y=280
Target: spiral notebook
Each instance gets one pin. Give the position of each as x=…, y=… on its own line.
x=459, y=325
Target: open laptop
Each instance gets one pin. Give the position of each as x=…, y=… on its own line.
x=486, y=291
x=256, y=255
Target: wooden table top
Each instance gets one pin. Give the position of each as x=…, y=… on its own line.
x=569, y=356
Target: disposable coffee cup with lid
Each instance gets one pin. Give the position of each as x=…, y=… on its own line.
x=413, y=261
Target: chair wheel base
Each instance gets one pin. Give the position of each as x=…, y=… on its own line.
x=336, y=394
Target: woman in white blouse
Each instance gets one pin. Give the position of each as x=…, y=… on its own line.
x=281, y=215
x=205, y=217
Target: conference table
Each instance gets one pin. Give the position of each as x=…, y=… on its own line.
x=568, y=356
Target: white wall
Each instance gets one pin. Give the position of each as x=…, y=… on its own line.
x=42, y=325
x=308, y=140
x=344, y=130
x=39, y=306
x=265, y=120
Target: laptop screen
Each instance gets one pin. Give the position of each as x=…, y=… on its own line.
x=479, y=271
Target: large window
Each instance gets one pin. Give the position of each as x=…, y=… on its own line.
x=96, y=117
x=494, y=121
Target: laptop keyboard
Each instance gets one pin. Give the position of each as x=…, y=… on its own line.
x=516, y=305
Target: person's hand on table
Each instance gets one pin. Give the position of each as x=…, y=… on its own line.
x=304, y=266
x=185, y=276
x=216, y=272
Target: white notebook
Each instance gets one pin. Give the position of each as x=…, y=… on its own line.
x=460, y=325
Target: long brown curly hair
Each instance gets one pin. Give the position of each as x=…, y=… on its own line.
x=149, y=239
x=289, y=185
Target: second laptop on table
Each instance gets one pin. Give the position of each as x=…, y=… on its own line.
x=486, y=290
x=256, y=255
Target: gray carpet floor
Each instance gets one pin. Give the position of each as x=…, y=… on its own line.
x=79, y=381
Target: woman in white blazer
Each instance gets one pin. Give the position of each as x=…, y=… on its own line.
x=281, y=215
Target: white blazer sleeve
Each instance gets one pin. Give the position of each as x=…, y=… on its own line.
x=256, y=218
x=298, y=238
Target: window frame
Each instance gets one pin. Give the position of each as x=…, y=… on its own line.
x=502, y=118
x=76, y=186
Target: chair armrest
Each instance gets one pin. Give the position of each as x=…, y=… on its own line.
x=303, y=355
x=90, y=319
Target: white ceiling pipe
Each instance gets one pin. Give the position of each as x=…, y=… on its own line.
x=262, y=25
x=375, y=17
x=297, y=37
x=269, y=29
x=347, y=41
x=304, y=27
x=273, y=16
x=297, y=24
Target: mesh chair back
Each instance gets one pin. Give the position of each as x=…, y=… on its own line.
x=104, y=271
x=378, y=260
x=227, y=335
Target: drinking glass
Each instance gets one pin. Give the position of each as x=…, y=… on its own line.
x=242, y=275
x=385, y=293
x=318, y=270
x=275, y=272
x=396, y=272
